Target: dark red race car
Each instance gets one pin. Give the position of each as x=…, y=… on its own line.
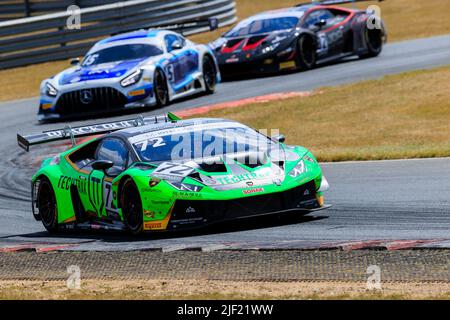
x=299, y=38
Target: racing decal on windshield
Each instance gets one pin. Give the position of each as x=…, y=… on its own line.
x=155, y=143
x=181, y=130
x=95, y=192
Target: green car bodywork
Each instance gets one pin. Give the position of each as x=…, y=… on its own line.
x=99, y=196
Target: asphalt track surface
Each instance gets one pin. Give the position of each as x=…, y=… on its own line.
x=390, y=200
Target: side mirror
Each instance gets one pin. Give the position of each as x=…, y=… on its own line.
x=102, y=165
x=320, y=23
x=75, y=61
x=176, y=45
x=279, y=138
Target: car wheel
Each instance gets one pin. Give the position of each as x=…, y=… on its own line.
x=305, y=58
x=160, y=89
x=209, y=74
x=46, y=203
x=132, y=207
x=374, y=41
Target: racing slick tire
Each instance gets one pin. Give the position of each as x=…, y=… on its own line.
x=305, y=59
x=209, y=74
x=132, y=207
x=160, y=88
x=46, y=204
x=374, y=41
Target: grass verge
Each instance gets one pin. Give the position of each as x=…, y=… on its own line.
x=210, y=289
x=405, y=19
x=398, y=116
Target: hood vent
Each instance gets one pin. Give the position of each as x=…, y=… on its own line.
x=255, y=39
x=251, y=160
x=233, y=42
x=213, y=167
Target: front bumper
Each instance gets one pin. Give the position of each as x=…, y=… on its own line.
x=73, y=103
x=260, y=66
x=187, y=214
x=243, y=63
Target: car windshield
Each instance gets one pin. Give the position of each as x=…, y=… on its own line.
x=121, y=53
x=249, y=27
x=199, y=141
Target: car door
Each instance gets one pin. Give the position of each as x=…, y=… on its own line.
x=327, y=26
x=183, y=61
x=100, y=182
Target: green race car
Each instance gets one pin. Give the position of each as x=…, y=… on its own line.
x=164, y=173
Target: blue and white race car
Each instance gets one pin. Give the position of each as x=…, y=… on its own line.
x=136, y=69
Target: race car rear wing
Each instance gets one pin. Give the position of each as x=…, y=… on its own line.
x=184, y=27
x=72, y=133
x=332, y=2
x=211, y=23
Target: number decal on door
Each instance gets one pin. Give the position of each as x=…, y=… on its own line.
x=108, y=196
x=170, y=73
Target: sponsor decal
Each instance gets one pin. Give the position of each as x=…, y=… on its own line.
x=93, y=129
x=249, y=183
x=255, y=190
x=190, y=210
x=287, y=65
x=181, y=194
x=153, y=225
x=159, y=224
x=65, y=182
x=232, y=59
x=149, y=214
x=242, y=177
x=159, y=202
x=135, y=93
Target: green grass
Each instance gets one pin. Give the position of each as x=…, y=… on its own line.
x=405, y=19
x=399, y=116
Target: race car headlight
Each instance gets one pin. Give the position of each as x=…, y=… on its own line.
x=50, y=90
x=299, y=169
x=186, y=186
x=267, y=49
x=132, y=78
x=306, y=157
